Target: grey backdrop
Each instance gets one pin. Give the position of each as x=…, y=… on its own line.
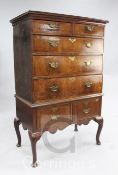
x=88, y=156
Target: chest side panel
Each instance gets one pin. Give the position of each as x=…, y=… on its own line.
x=22, y=59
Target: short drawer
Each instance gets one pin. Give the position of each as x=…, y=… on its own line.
x=89, y=30
x=54, y=66
x=64, y=88
x=86, y=109
x=54, y=117
x=68, y=45
x=51, y=28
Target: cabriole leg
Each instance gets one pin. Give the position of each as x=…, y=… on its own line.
x=34, y=137
x=16, y=126
x=99, y=120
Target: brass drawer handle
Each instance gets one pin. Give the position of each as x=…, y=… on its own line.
x=89, y=28
x=72, y=58
x=86, y=110
x=53, y=65
x=54, y=88
x=53, y=43
x=88, y=84
x=53, y=26
x=88, y=63
x=88, y=44
x=54, y=117
x=72, y=40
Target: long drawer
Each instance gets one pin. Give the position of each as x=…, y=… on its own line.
x=63, y=88
x=54, y=66
x=56, y=45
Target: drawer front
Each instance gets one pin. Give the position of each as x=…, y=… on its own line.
x=51, y=28
x=62, y=88
x=54, y=117
x=86, y=109
x=67, y=44
x=52, y=66
x=89, y=30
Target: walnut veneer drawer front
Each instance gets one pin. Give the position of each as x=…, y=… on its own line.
x=89, y=30
x=67, y=44
x=62, y=88
x=86, y=109
x=52, y=66
x=51, y=28
x=54, y=117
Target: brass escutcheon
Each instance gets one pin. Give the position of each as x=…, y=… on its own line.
x=72, y=40
x=88, y=84
x=72, y=58
x=72, y=78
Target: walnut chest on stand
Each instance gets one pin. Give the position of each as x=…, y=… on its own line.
x=58, y=62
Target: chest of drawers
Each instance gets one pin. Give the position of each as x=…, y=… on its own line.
x=58, y=73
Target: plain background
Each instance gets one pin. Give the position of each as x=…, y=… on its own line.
x=93, y=160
